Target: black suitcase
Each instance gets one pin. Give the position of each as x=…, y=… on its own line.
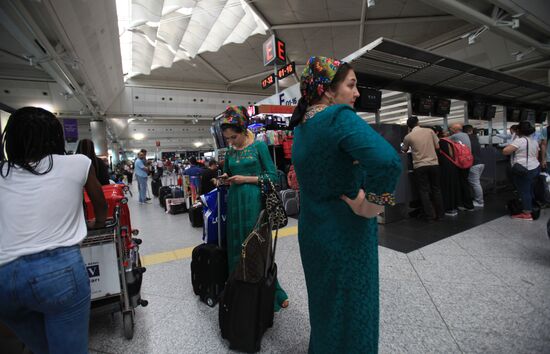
x=155, y=186
x=246, y=312
x=178, y=208
x=208, y=272
x=195, y=216
x=164, y=192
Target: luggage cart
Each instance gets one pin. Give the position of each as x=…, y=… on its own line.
x=113, y=264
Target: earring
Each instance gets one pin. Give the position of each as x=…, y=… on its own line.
x=331, y=100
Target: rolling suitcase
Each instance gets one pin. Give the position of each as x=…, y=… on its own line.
x=246, y=305
x=195, y=216
x=208, y=272
x=290, y=201
x=155, y=186
x=209, y=269
x=164, y=192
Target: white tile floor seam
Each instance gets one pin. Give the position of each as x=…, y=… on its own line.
x=485, y=290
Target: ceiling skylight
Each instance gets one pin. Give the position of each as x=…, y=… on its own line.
x=157, y=33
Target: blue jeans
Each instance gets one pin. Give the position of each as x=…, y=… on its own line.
x=142, y=187
x=526, y=187
x=45, y=300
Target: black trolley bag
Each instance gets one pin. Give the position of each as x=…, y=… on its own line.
x=209, y=268
x=246, y=305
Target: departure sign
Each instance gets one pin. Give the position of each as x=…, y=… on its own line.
x=268, y=81
x=274, y=51
x=286, y=70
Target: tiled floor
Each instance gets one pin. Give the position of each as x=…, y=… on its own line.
x=483, y=290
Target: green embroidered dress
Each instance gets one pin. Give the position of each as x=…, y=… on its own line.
x=339, y=249
x=244, y=201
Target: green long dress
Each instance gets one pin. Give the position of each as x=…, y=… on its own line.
x=334, y=153
x=244, y=201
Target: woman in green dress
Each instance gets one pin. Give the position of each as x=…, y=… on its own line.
x=247, y=162
x=346, y=172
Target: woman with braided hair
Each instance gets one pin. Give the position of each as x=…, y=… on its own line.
x=45, y=292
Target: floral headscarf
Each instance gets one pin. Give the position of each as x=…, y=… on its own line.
x=317, y=76
x=235, y=115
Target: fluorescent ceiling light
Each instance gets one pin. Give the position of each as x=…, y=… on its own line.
x=198, y=144
x=48, y=107
x=135, y=151
x=139, y=136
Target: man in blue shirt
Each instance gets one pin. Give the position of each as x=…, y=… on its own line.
x=141, y=174
x=194, y=172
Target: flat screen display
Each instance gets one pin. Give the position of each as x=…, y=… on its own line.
x=476, y=110
x=540, y=117
x=490, y=112
x=421, y=105
x=512, y=114
x=442, y=107
x=369, y=100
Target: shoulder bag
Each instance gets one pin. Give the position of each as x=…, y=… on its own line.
x=519, y=169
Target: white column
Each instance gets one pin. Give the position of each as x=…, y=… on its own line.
x=99, y=137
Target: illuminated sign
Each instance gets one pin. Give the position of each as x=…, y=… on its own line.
x=274, y=51
x=268, y=81
x=286, y=70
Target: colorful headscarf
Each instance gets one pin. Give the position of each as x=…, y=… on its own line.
x=317, y=76
x=236, y=115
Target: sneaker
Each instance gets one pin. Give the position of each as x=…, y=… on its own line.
x=147, y=199
x=453, y=212
x=478, y=205
x=461, y=208
x=523, y=216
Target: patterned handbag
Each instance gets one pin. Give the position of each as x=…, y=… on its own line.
x=273, y=205
x=257, y=252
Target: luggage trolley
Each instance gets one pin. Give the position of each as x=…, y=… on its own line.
x=113, y=264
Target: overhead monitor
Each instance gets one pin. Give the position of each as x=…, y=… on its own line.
x=369, y=100
x=490, y=112
x=528, y=114
x=540, y=117
x=476, y=110
x=442, y=107
x=512, y=114
x=421, y=105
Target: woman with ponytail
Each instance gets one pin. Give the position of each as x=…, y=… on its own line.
x=347, y=173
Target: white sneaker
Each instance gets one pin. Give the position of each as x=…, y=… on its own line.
x=478, y=205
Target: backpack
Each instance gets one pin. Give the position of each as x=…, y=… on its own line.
x=461, y=155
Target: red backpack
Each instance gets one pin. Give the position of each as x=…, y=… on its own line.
x=461, y=155
x=292, y=179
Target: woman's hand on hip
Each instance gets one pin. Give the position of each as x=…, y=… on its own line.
x=361, y=206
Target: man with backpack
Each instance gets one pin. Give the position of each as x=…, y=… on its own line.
x=465, y=202
x=424, y=143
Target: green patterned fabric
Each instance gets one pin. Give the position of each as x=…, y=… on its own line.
x=244, y=201
x=339, y=249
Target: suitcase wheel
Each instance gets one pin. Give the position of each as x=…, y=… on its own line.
x=210, y=302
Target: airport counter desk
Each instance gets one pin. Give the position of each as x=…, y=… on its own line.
x=493, y=179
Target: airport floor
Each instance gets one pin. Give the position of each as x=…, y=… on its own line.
x=482, y=290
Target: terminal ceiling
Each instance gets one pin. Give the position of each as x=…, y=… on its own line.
x=82, y=39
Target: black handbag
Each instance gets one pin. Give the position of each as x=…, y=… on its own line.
x=256, y=253
x=273, y=205
x=519, y=169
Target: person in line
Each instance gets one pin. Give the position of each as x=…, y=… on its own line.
x=45, y=291
x=477, y=168
x=508, y=138
x=86, y=147
x=450, y=185
x=545, y=151
x=424, y=144
x=208, y=177
x=194, y=172
x=524, y=150
x=465, y=202
x=247, y=163
x=142, y=171
x=347, y=172
x=129, y=172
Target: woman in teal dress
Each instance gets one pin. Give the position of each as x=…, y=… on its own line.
x=346, y=172
x=247, y=162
